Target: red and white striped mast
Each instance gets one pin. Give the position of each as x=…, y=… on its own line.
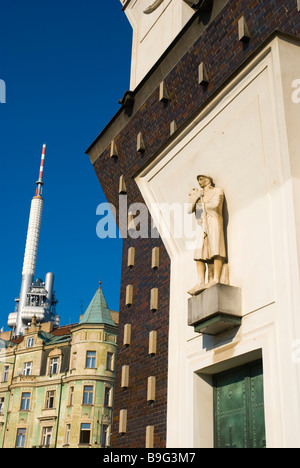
x=40, y=182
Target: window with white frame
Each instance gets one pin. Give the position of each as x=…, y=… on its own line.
x=108, y=396
x=54, y=366
x=90, y=360
x=88, y=393
x=105, y=436
x=25, y=401
x=2, y=400
x=50, y=399
x=20, y=439
x=110, y=361
x=71, y=396
x=85, y=433
x=30, y=342
x=5, y=374
x=27, y=368
x=74, y=360
x=68, y=433
x=46, y=436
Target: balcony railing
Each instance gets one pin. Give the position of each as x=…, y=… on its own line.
x=24, y=378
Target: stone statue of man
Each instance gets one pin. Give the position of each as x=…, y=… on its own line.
x=207, y=204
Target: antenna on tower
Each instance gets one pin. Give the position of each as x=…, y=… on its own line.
x=36, y=298
x=40, y=182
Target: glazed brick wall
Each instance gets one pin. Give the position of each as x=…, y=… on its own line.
x=143, y=321
x=223, y=54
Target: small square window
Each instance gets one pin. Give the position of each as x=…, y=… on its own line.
x=29, y=342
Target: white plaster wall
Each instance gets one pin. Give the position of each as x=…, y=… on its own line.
x=290, y=78
x=153, y=33
x=246, y=142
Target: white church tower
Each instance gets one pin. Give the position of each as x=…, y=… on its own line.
x=155, y=24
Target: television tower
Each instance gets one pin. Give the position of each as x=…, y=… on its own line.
x=36, y=298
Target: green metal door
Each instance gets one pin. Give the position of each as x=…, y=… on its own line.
x=239, y=407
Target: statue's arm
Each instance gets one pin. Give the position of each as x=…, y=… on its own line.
x=216, y=201
x=194, y=197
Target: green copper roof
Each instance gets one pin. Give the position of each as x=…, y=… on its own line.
x=48, y=338
x=4, y=344
x=97, y=312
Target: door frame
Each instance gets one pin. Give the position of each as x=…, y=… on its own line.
x=203, y=396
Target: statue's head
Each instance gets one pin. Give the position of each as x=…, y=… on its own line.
x=204, y=180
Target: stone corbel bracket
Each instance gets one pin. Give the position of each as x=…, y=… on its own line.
x=216, y=309
x=128, y=100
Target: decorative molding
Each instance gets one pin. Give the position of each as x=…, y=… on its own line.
x=163, y=93
x=151, y=389
x=131, y=257
x=128, y=100
x=152, y=342
x=122, y=186
x=125, y=377
x=149, y=437
x=173, y=127
x=153, y=7
x=216, y=309
x=129, y=295
x=203, y=76
x=114, y=153
x=154, y=299
x=201, y=5
x=140, y=145
x=123, y=421
x=155, y=258
x=244, y=34
x=127, y=334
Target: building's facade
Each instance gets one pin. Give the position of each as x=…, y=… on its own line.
x=57, y=384
x=215, y=90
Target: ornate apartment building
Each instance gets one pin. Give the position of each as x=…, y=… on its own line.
x=57, y=384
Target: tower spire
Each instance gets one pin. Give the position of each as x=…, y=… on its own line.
x=40, y=182
x=35, y=298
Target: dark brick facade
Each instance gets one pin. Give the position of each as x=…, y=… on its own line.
x=224, y=55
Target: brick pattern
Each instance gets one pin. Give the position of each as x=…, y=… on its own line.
x=222, y=53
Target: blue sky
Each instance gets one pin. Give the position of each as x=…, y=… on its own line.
x=66, y=64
